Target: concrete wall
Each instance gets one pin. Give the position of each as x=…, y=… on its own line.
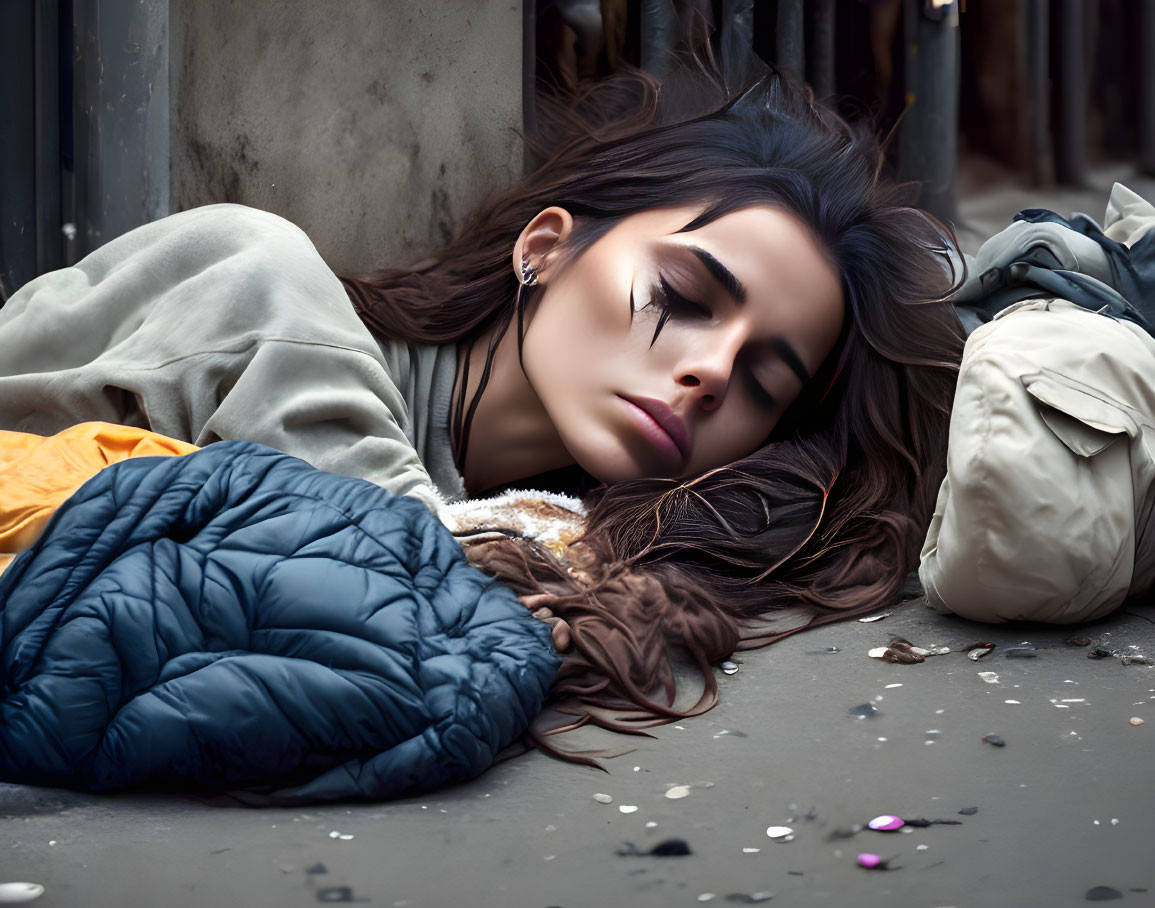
x=375, y=125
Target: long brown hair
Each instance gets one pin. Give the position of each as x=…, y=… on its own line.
x=828, y=516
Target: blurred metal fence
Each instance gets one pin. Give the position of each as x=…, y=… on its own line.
x=84, y=154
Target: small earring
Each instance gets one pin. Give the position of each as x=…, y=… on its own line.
x=528, y=274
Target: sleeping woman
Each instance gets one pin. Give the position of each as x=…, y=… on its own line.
x=718, y=327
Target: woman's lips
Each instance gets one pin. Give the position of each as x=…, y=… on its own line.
x=661, y=426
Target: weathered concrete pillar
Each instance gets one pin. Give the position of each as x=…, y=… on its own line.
x=374, y=126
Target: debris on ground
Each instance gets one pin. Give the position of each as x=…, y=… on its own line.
x=677, y=791
x=749, y=898
x=923, y=822
x=729, y=667
x=1022, y=651
x=780, y=833
x=1135, y=720
x=874, y=862
x=1128, y=656
x=1078, y=640
x=990, y=677
x=886, y=823
x=667, y=848
x=13, y=893
x=870, y=619
x=994, y=741
x=863, y=711
x=903, y=652
x=977, y=650
x=1102, y=894
x=969, y=811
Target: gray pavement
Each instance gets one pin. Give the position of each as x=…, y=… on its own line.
x=1061, y=809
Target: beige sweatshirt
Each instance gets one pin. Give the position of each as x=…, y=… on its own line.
x=224, y=323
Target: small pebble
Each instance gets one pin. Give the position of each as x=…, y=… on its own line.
x=1013, y=702
x=781, y=833
x=603, y=798
x=650, y=824
x=892, y=686
x=628, y=808
x=751, y=850
x=863, y=711
x=677, y=791
x=1103, y=894
x=990, y=677
x=921, y=847
x=994, y=740
x=705, y=896
x=1135, y=720
x=20, y=892
x=729, y=667
x=969, y=811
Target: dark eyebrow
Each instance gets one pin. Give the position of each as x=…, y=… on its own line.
x=790, y=356
x=722, y=274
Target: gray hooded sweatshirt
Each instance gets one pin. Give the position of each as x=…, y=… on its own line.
x=223, y=322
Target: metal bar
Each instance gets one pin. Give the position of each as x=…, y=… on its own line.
x=821, y=63
x=1071, y=95
x=929, y=132
x=1038, y=90
x=659, y=35
x=790, y=39
x=18, y=150
x=1147, y=88
x=123, y=145
x=738, y=21
x=49, y=239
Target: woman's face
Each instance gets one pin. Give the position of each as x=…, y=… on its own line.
x=749, y=306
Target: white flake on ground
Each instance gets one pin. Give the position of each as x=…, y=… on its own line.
x=1013, y=702
x=677, y=791
x=628, y=808
x=780, y=833
x=877, y=653
x=989, y=677
x=892, y=686
x=751, y=850
x=651, y=825
x=603, y=798
x=20, y=892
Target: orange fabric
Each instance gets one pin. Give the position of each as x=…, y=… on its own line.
x=37, y=473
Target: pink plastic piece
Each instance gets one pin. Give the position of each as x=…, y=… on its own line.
x=869, y=861
x=886, y=823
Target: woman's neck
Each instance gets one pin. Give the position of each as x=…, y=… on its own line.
x=511, y=436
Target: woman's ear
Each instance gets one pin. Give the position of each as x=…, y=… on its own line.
x=539, y=241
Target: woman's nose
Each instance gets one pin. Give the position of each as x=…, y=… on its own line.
x=706, y=376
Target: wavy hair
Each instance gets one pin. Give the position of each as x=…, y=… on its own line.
x=825, y=519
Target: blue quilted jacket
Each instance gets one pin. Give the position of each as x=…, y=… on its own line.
x=236, y=619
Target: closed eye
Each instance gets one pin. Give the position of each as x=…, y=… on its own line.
x=758, y=391
x=681, y=305
x=674, y=303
